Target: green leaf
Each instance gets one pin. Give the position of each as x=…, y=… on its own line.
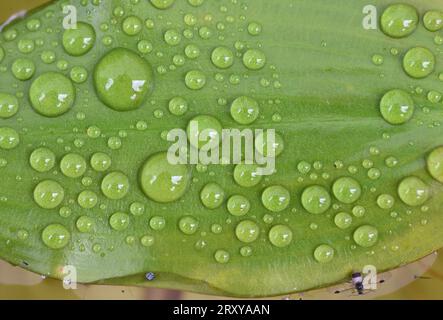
x=64, y=202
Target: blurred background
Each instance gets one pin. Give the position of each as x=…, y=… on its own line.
x=421, y=280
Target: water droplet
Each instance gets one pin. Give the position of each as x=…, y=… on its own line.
x=85, y=224
x=435, y=164
x=115, y=185
x=246, y=251
x=9, y=138
x=377, y=59
x=433, y=20
x=188, y=225
x=172, y=37
x=119, y=221
x=347, y=190
x=316, y=199
x=222, y=57
x=52, y=94
x=137, y=208
x=49, y=194
x=246, y=175
x=222, y=256
x=386, y=201
x=79, y=74
x=212, y=196
x=56, y=236
x=178, y=106
x=419, y=62
x=195, y=80
x=73, y=165
x=366, y=236
x=413, y=191
x=245, y=110
x=207, y=124
x=87, y=199
x=8, y=105
x=79, y=41
x=397, y=107
x=23, y=69
x=343, y=220
x=238, y=205
x=276, y=198
x=114, y=143
x=391, y=162
x=132, y=25
x=358, y=211
x=162, y=4
x=280, y=236
x=162, y=181
x=254, y=28
x=100, y=162
x=261, y=144
x=399, y=20
x=324, y=253
x=147, y=241
x=254, y=59
x=123, y=80
x=304, y=167
x=157, y=223
x=247, y=231
x=192, y=51
x=42, y=160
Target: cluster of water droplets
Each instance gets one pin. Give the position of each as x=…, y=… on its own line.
x=125, y=79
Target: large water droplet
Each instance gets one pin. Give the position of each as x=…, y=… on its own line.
x=347, y=190
x=212, y=196
x=413, y=191
x=366, y=236
x=397, y=107
x=9, y=138
x=162, y=181
x=316, y=199
x=324, y=253
x=222, y=57
x=280, y=236
x=80, y=40
x=419, y=62
x=8, y=105
x=245, y=110
x=162, y=4
x=246, y=175
x=100, y=162
x=254, y=59
x=222, y=256
x=87, y=199
x=123, y=80
x=73, y=165
x=52, y=94
x=42, y=159
x=399, y=20
x=56, y=236
x=247, y=231
x=188, y=225
x=435, y=164
x=208, y=125
x=23, y=69
x=276, y=198
x=238, y=205
x=49, y=194
x=433, y=20
x=115, y=185
x=343, y=220
x=119, y=221
x=85, y=224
